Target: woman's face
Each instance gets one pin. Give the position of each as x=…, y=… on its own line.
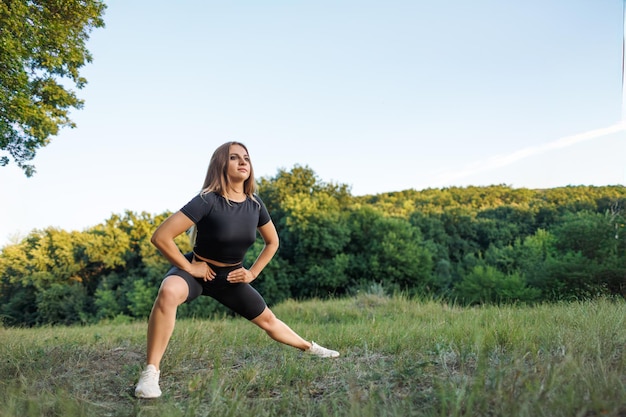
x=238, y=164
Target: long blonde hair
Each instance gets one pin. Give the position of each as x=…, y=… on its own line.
x=216, y=179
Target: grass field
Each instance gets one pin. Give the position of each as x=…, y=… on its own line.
x=400, y=357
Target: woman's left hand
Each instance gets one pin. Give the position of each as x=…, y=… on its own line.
x=241, y=275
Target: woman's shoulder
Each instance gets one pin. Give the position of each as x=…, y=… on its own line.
x=255, y=199
x=203, y=199
x=209, y=196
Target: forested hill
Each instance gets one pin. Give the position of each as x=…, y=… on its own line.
x=476, y=199
x=468, y=245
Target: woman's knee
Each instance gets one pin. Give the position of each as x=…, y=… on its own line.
x=174, y=291
x=266, y=320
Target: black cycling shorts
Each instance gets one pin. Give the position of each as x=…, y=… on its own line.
x=241, y=298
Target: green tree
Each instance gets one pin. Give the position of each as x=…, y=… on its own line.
x=62, y=304
x=141, y=298
x=107, y=304
x=461, y=237
x=117, y=289
x=50, y=258
x=591, y=259
x=42, y=47
x=18, y=303
x=311, y=220
x=591, y=234
x=527, y=254
x=300, y=180
x=502, y=225
x=436, y=240
x=389, y=251
x=315, y=235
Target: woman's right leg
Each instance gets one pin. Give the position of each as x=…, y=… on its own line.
x=173, y=292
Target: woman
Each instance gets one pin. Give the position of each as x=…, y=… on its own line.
x=225, y=216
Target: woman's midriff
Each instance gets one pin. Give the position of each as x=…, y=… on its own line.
x=211, y=261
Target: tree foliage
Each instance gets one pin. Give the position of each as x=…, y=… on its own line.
x=468, y=245
x=42, y=48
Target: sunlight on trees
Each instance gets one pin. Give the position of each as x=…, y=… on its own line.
x=484, y=245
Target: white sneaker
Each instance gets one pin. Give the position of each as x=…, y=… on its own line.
x=148, y=385
x=322, y=352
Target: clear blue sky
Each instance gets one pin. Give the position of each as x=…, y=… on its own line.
x=380, y=95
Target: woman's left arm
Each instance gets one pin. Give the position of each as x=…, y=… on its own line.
x=270, y=237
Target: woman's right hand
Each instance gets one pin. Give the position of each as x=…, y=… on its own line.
x=201, y=270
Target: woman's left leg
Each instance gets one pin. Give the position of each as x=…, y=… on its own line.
x=246, y=301
x=279, y=331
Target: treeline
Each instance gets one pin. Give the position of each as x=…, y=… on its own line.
x=467, y=245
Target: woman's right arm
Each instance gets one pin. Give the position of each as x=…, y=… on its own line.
x=163, y=239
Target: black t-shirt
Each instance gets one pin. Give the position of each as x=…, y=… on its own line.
x=226, y=229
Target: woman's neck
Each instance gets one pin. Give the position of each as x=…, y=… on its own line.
x=235, y=193
x=236, y=189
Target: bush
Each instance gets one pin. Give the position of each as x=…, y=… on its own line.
x=63, y=304
x=486, y=284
